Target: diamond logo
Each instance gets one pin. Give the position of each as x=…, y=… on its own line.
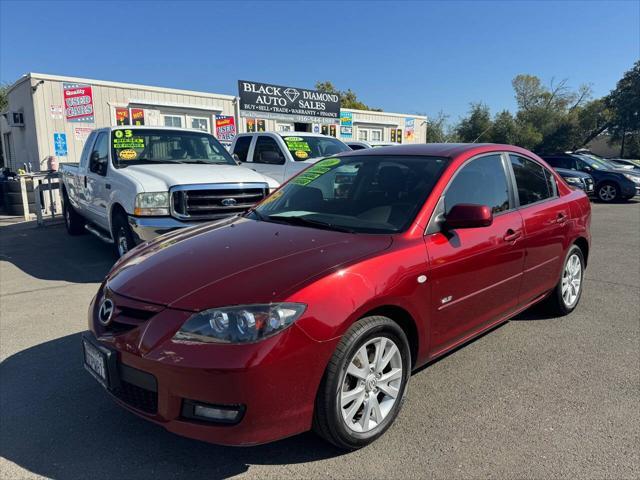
x=292, y=94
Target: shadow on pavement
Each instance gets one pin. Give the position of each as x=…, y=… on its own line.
x=49, y=253
x=58, y=422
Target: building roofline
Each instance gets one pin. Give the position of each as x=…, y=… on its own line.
x=372, y=112
x=105, y=83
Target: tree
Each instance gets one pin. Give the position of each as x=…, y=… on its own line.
x=348, y=98
x=4, y=96
x=624, y=105
x=505, y=129
x=476, y=127
x=438, y=130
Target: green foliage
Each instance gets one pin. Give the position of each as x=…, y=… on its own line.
x=624, y=105
x=477, y=126
x=4, y=100
x=348, y=98
x=438, y=130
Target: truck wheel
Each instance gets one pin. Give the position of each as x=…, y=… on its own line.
x=364, y=384
x=72, y=220
x=122, y=235
x=608, y=192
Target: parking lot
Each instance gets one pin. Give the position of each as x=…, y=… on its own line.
x=537, y=397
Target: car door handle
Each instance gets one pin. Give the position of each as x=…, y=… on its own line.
x=512, y=235
x=562, y=218
x=108, y=186
x=85, y=181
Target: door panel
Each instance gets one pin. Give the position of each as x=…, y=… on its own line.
x=264, y=147
x=475, y=277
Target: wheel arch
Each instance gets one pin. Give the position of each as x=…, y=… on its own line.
x=583, y=245
x=116, y=208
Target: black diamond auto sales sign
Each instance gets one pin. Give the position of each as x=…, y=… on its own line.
x=262, y=100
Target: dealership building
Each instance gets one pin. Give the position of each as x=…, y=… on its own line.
x=50, y=115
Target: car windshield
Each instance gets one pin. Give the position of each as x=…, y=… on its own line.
x=142, y=146
x=596, y=163
x=303, y=147
x=359, y=194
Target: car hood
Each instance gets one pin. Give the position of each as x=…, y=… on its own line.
x=572, y=173
x=162, y=176
x=233, y=262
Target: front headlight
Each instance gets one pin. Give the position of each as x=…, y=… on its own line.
x=239, y=324
x=573, y=180
x=152, y=203
x=633, y=178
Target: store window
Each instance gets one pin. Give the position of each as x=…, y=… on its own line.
x=363, y=135
x=376, y=135
x=285, y=127
x=370, y=134
x=172, y=121
x=200, y=123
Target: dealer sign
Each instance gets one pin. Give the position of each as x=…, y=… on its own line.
x=262, y=100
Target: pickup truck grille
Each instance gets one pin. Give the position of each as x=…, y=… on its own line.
x=210, y=202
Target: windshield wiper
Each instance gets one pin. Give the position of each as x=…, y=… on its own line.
x=307, y=222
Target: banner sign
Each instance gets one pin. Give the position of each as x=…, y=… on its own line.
x=409, y=129
x=60, y=144
x=78, y=102
x=263, y=100
x=225, y=127
x=137, y=116
x=122, y=116
x=399, y=136
x=346, y=124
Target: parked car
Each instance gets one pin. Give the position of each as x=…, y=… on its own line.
x=577, y=179
x=611, y=184
x=359, y=144
x=325, y=300
x=625, y=163
x=283, y=155
x=135, y=183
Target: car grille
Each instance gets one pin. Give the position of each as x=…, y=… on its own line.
x=213, y=202
x=137, y=397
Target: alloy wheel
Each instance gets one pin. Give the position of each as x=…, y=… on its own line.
x=607, y=193
x=371, y=384
x=571, y=280
x=123, y=246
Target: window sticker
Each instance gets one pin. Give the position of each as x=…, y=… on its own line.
x=319, y=169
x=272, y=198
x=297, y=144
x=127, y=154
x=301, y=154
x=126, y=139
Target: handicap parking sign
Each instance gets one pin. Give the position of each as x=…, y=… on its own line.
x=60, y=144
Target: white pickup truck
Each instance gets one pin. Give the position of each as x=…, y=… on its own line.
x=134, y=183
x=285, y=154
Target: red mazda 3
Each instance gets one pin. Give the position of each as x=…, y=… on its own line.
x=312, y=310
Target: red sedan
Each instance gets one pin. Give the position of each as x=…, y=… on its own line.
x=312, y=310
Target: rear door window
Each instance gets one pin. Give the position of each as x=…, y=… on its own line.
x=534, y=183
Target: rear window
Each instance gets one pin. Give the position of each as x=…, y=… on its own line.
x=304, y=147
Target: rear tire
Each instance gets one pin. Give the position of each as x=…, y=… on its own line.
x=566, y=295
x=360, y=396
x=608, y=192
x=122, y=235
x=72, y=219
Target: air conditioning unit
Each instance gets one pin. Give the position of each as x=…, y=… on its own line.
x=15, y=119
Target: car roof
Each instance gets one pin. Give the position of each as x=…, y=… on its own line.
x=288, y=134
x=151, y=127
x=449, y=150
x=573, y=173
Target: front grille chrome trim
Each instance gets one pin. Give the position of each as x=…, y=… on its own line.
x=180, y=193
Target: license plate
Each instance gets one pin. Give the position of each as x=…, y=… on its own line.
x=95, y=361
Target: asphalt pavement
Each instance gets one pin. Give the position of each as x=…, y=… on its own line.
x=538, y=397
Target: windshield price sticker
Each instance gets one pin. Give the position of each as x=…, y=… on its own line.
x=127, y=154
x=125, y=139
x=301, y=154
x=316, y=171
x=297, y=144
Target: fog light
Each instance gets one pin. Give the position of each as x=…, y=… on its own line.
x=212, y=413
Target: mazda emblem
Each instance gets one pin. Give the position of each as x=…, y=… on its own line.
x=106, y=312
x=229, y=202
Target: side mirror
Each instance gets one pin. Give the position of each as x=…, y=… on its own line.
x=271, y=157
x=587, y=168
x=236, y=158
x=466, y=215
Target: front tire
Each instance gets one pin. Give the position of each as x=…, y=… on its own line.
x=364, y=384
x=122, y=235
x=566, y=295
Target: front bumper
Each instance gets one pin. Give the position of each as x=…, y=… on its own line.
x=274, y=381
x=147, y=228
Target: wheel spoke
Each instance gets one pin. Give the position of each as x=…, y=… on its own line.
x=354, y=371
x=375, y=408
x=387, y=357
x=366, y=415
x=353, y=409
x=388, y=389
x=351, y=395
x=394, y=374
x=377, y=359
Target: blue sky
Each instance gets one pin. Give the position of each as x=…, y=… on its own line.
x=411, y=57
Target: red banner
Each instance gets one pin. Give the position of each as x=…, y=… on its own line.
x=78, y=102
x=225, y=127
x=137, y=116
x=122, y=116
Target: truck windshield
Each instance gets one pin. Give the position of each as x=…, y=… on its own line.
x=359, y=194
x=140, y=146
x=303, y=147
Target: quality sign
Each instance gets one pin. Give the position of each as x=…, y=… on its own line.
x=263, y=100
x=78, y=102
